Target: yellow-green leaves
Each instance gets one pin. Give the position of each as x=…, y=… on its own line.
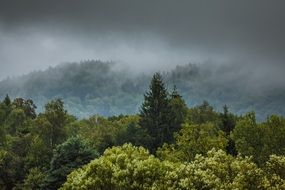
x=129, y=167
x=191, y=140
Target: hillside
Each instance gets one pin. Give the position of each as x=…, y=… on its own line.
x=95, y=87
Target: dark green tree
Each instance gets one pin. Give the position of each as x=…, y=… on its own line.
x=49, y=131
x=155, y=112
x=248, y=137
x=68, y=156
x=10, y=169
x=134, y=134
x=228, y=122
x=7, y=100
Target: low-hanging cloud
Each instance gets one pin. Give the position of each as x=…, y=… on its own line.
x=144, y=35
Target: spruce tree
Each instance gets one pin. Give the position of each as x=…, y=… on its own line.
x=155, y=112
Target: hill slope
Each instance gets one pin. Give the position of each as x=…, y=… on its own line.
x=95, y=87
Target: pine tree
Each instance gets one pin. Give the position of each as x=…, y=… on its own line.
x=155, y=112
x=228, y=122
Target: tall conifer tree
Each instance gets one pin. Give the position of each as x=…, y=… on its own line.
x=155, y=112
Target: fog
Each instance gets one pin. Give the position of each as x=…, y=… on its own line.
x=30, y=49
x=245, y=36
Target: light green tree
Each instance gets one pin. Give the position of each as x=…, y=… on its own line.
x=125, y=167
x=202, y=114
x=260, y=140
x=129, y=167
x=191, y=140
x=275, y=171
x=34, y=179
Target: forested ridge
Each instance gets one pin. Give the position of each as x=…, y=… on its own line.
x=165, y=145
x=96, y=87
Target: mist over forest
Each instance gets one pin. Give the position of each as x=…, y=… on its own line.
x=142, y=94
x=104, y=88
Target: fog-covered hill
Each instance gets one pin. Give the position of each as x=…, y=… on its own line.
x=95, y=87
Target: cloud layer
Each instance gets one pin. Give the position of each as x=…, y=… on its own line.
x=35, y=34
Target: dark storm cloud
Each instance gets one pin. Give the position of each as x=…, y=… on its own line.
x=251, y=21
x=245, y=30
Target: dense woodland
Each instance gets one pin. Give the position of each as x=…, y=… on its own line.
x=107, y=89
x=167, y=145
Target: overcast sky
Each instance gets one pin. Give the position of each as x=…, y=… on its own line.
x=35, y=34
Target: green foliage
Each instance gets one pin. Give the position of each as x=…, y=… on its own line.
x=100, y=132
x=15, y=125
x=7, y=100
x=273, y=136
x=68, y=156
x=155, y=112
x=228, y=122
x=125, y=167
x=34, y=153
x=260, y=140
x=191, y=140
x=27, y=140
x=38, y=154
x=34, y=179
x=132, y=133
x=178, y=113
x=202, y=114
x=129, y=167
x=275, y=170
x=218, y=170
x=248, y=137
x=10, y=167
x=27, y=106
x=52, y=123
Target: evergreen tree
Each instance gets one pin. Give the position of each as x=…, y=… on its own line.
x=155, y=112
x=227, y=125
x=228, y=121
x=68, y=156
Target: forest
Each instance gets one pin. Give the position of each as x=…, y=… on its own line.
x=165, y=144
x=108, y=88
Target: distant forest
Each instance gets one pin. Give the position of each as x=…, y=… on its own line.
x=103, y=88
